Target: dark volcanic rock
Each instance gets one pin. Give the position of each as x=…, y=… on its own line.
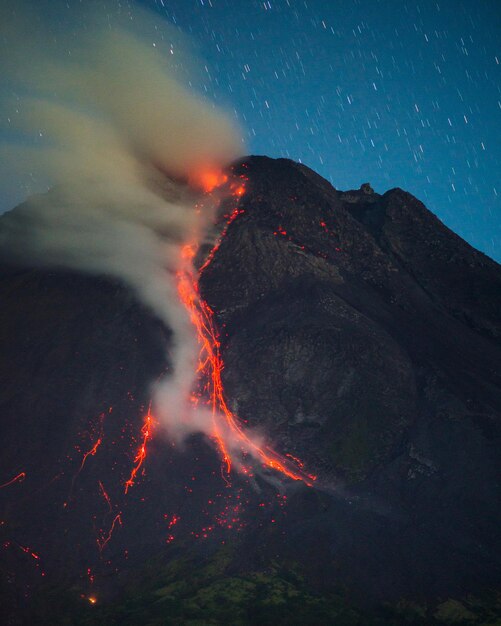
x=345, y=338
x=358, y=333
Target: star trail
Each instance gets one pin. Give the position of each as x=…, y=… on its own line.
x=396, y=93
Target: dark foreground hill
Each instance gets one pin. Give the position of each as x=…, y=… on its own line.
x=359, y=333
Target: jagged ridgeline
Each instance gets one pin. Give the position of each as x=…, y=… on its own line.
x=358, y=334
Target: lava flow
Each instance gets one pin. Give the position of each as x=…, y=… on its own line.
x=90, y=452
x=141, y=452
x=17, y=479
x=104, y=539
x=226, y=430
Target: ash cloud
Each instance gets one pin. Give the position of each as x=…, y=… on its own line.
x=108, y=120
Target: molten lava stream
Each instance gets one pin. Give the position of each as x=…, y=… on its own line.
x=226, y=429
x=146, y=434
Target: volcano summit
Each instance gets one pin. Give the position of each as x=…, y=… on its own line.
x=357, y=342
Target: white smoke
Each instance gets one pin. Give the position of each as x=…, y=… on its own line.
x=102, y=114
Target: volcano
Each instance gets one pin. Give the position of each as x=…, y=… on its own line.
x=360, y=338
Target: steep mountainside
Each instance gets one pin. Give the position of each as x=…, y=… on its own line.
x=358, y=334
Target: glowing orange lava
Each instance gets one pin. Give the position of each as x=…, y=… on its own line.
x=188, y=250
x=102, y=541
x=29, y=551
x=208, y=179
x=146, y=433
x=226, y=430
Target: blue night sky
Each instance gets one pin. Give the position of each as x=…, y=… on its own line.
x=395, y=93
x=400, y=94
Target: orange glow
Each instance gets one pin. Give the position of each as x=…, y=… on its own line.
x=17, y=479
x=226, y=429
x=229, y=219
x=92, y=599
x=208, y=180
x=141, y=452
x=297, y=461
x=239, y=191
x=225, y=425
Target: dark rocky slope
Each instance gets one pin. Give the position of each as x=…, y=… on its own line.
x=358, y=333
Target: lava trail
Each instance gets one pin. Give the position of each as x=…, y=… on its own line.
x=232, y=442
x=17, y=479
x=146, y=434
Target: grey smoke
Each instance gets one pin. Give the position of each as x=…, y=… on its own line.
x=108, y=120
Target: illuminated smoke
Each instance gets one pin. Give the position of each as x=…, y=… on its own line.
x=103, y=116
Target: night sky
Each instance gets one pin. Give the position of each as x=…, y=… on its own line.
x=398, y=94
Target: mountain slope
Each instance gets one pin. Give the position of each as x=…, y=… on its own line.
x=358, y=334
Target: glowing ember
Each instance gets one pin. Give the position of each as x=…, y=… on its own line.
x=141, y=452
x=17, y=479
x=103, y=541
x=239, y=191
x=208, y=180
x=29, y=551
x=93, y=449
x=297, y=461
x=174, y=520
x=90, y=575
x=105, y=495
x=90, y=452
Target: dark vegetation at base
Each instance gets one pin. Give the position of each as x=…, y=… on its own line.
x=190, y=592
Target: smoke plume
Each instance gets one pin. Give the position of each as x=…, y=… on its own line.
x=103, y=114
